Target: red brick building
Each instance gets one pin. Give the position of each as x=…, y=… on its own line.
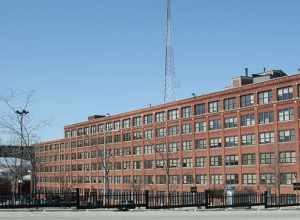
x=246, y=136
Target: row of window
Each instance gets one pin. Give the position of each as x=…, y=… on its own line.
x=287, y=157
x=264, y=97
x=228, y=179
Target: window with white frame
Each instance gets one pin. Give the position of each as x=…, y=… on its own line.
x=249, y=159
x=213, y=107
x=267, y=178
x=173, y=114
x=174, y=147
x=187, y=162
x=231, y=160
x=200, y=144
x=229, y=104
x=286, y=114
x=230, y=122
x=200, y=161
x=248, y=120
x=126, y=123
x=231, y=141
x=232, y=179
x=200, y=109
x=247, y=100
x=266, y=137
x=215, y=142
x=173, y=130
x=137, y=121
x=288, y=178
x=187, y=146
x=187, y=179
x=148, y=134
x=148, y=119
x=201, y=179
x=248, y=139
x=160, y=148
x=173, y=163
x=284, y=93
x=160, y=132
x=265, y=117
x=266, y=158
x=214, y=124
x=160, y=116
x=187, y=112
x=249, y=178
x=287, y=157
x=265, y=97
x=216, y=161
x=216, y=179
x=200, y=126
x=186, y=128
x=149, y=149
x=286, y=135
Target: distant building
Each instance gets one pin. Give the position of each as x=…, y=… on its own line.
x=245, y=137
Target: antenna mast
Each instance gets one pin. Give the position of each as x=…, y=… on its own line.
x=169, y=87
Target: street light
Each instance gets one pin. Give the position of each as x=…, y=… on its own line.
x=20, y=115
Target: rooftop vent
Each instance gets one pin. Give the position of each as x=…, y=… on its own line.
x=95, y=117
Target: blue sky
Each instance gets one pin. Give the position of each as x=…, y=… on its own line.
x=105, y=56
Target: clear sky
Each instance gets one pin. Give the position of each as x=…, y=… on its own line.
x=107, y=56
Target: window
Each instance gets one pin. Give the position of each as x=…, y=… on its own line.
x=286, y=114
x=249, y=178
x=148, y=179
x=266, y=158
x=173, y=114
x=186, y=128
x=160, y=132
x=247, y=120
x=126, y=165
x=200, y=161
x=126, y=137
x=161, y=148
x=109, y=126
x=216, y=161
x=214, y=124
x=137, y=121
x=230, y=122
x=126, y=123
x=160, y=116
x=187, y=179
x=231, y=160
x=148, y=134
x=266, y=117
x=288, y=178
x=200, y=144
x=229, y=104
x=200, y=126
x=247, y=100
x=248, y=139
x=199, y=109
x=173, y=163
x=160, y=163
x=267, y=178
x=266, y=137
x=187, y=162
x=149, y=164
x=232, y=179
x=248, y=159
x=174, y=179
x=137, y=135
x=137, y=150
x=117, y=138
x=174, y=147
x=286, y=135
x=215, y=142
x=287, y=157
x=216, y=179
x=187, y=145
x=126, y=151
x=187, y=112
x=174, y=130
x=136, y=165
x=148, y=119
x=161, y=179
x=231, y=141
x=265, y=97
x=213, y=107
x=149, y=149
x=117, y=125
x=284, y=93
x=201, y=179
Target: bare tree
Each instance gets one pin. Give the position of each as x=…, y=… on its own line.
x=19, y=130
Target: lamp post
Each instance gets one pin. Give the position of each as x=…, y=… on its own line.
x=20, y=116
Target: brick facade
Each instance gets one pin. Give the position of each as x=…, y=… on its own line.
x=256, y=150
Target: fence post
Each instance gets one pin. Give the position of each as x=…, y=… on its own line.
x=206, y=198
x=77, y=198
x=146, y=192
x=265, y=199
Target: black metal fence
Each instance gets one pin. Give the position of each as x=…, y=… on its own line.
x=150, y=200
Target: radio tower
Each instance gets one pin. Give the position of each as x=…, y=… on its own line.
x=169, y=85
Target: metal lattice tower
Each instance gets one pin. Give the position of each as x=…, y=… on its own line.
x=169, y=85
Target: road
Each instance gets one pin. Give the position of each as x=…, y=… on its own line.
x=149, y=215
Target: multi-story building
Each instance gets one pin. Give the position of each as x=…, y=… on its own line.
x=246, y=136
